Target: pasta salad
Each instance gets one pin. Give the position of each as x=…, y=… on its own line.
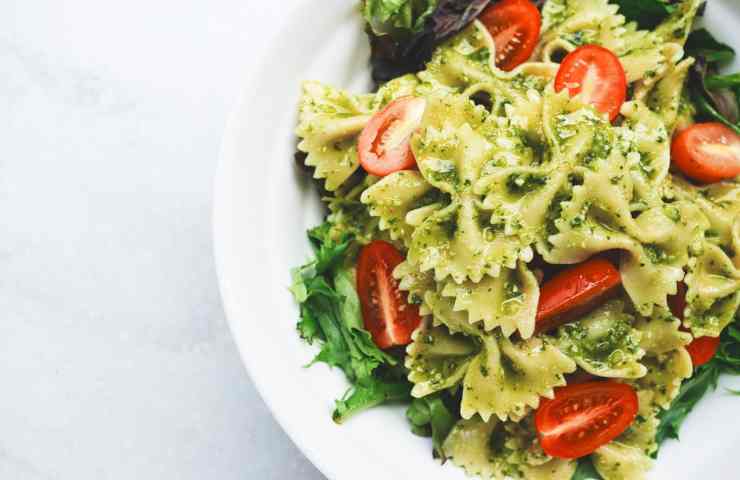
x=533, y=229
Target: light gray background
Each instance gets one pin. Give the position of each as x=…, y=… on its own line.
x=115, y=358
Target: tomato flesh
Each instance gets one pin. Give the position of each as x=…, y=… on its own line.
x=515, y=28
x=701, y=349
x=707, y=152
x=597, y=75
x=384, y=145
x=583, y=417
x=387, y=315
x=575, y=291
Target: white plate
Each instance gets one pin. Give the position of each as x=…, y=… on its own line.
x=263, y=205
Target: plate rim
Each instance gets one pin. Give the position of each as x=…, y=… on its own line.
x=222, y=211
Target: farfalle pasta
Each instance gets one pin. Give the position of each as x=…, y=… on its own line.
x=475, y=258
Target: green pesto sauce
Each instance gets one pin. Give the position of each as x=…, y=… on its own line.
x=521, y=183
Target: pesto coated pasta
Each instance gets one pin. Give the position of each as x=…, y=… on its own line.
x=516, y=178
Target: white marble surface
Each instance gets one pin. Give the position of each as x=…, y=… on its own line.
x=115, y=358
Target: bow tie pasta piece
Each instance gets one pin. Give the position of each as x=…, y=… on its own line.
x=507, y=379
x=438, y=359
x=646, y=145
x=458, y=241
x=521, y=198
x=655, y=244
x=347, y=215
x=568, y=24
x=713, y=277
x=678, y=26
x=508, y=301
x=663, y=92
x=499, y=450
x=330, y=120
x=618, y=461
x=555, y=469
x=399, y=196
x=629, y=455
x=665, y=374
x=502, y=378
x=460, y=62
x=604, y=343
x=720, y=203
x=713, y=296
x=660, y=333
x=414, y=281
x=577, y=134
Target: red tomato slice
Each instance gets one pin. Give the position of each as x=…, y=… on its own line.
x=701, y=349
x=707, y=152
x=387, y=315
x=383, y=146
x=583, y=417
x=515, y=28
x=575, y=291
x=597, y=75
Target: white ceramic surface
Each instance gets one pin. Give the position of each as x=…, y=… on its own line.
x=263, y=206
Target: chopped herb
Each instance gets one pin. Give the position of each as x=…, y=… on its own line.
x=521, y=183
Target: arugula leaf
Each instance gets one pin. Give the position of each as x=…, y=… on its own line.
x=432, y=417
x=704, y=380
x=367, y=393
x=397, y=17
x=330, y=314
x=586, y=470
x=723, y=81
x=647, y=13
x=728, y=353
x=701, y=43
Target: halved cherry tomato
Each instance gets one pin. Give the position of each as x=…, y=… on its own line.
x=387, y=315
x=597, y=75
x=515, y=28
x=575, y=291
x=701, y=349
x=707, y=152
x=383, y=146
x=583, y=417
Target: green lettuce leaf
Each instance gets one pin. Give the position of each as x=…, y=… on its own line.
x=586, y=470
x=434, y=416
x=330, y=314
x=397, y=17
